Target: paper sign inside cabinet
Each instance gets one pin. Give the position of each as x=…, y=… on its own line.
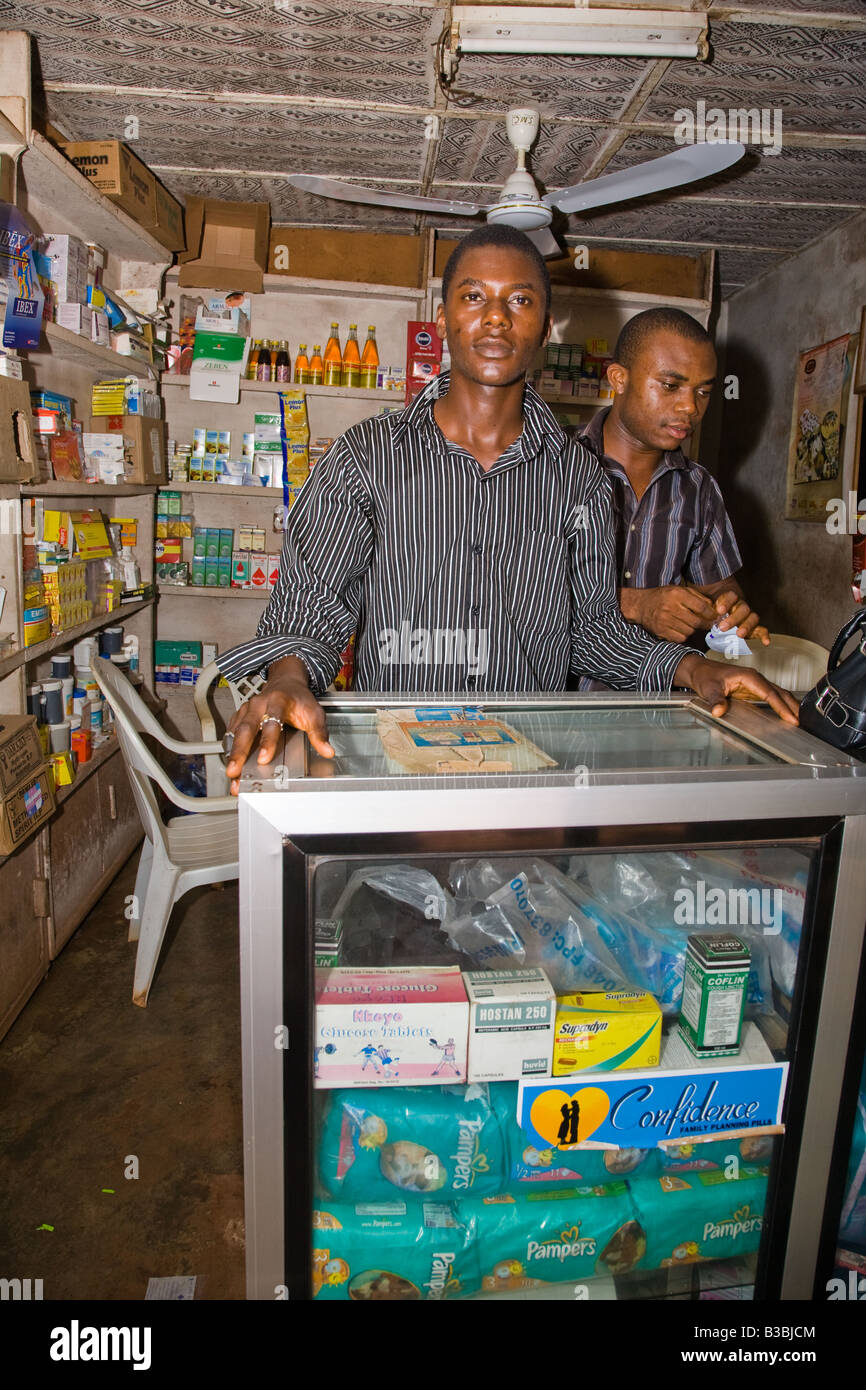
x=17, y=448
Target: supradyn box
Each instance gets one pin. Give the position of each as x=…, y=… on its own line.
x=399, y=1027
x=511, y=1019
x=606, y=1031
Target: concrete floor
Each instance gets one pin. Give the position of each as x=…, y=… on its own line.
x=87, y=1079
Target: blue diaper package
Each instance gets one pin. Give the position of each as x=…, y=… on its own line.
x=693, y=1217
x=414, y=1142
x=526, y=1241
x=719, y=1154
x=392, y=1252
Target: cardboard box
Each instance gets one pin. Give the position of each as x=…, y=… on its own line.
x=119, y=174
x=227, y=245
x=20, y=750
x=167, y=226
x=26, y=794
x=511, y=1018
x=612, y=1030
x=144, y=439
x=17, y=444
x=24, y=810
x=404, y=1026
x=327, y=253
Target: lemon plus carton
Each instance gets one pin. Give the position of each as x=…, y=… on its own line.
x=612, y=1030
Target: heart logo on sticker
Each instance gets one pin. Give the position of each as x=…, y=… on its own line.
x=564, y=1119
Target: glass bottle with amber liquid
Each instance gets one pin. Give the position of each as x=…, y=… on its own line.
x=370, y=360
x=317, y=368
x=351, y=374
x=252, y=360
x=333, y=358
x=302, y=366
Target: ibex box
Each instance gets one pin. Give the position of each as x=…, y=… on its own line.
x=511, y=1020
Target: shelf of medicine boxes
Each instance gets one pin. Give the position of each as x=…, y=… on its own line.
x=61, y=343
x=24, y=655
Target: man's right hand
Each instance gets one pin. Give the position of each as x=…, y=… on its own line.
x=288, y=699
x=672, y=612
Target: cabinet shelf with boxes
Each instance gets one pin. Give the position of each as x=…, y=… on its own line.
x=61, y=867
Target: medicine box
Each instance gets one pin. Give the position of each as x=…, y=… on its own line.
x=401, y=1027
x=511, y=1019
x=174, y=653
x=714, y=993
x=226, y=543
x=612, y=1030
x=259, y=570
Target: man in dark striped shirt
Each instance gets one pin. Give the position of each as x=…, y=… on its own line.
x=676, y=553
x=466, y=541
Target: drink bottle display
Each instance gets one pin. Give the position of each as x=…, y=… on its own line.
x=302, y=366
x=351, y=375
x=283, y=366
x=333, y=359
x=317, y=370
x=370, y=360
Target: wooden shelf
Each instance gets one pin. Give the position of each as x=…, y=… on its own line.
x=223, y=490
x=72, y=489
x=72, y=347
x=211, y=591
x=299, y=284
x=25, y=655
x=355, y=393
x=53, y=183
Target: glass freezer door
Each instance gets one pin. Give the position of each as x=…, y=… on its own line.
x=463, y=1148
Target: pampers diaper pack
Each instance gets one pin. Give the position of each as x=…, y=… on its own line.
x=717, y=1154
x=608, y=1031
x=527, y=1241
x=394, y=1027
x=700, y=1216
x=376, y=1252
x=414, y=1144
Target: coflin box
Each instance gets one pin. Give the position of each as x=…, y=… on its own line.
x=511, y=1018
x=397, y=1027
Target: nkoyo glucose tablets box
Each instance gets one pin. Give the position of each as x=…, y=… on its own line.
x=400, y=1027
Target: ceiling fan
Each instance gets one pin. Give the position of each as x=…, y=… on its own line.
x=520, y=204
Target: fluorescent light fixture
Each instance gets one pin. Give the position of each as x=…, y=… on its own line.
x=617, y=33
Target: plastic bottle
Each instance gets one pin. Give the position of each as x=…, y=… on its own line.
x=351, y=373
x=302, y=366
x=317, y=368
x=264, y=364
x=283, y=365
x=370, y=360
x=253, y=358
x=333, y=359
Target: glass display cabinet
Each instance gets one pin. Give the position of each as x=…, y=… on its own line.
x=467, y=1072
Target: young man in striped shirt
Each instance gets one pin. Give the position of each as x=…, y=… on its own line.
x=676, y=553
x=469, y=513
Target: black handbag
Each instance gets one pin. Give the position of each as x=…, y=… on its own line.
x=835, y=710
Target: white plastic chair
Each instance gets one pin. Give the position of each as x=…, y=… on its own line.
x=186, y=853
x=791, y=662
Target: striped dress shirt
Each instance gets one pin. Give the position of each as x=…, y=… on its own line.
x=678, y=531
x=453, y=578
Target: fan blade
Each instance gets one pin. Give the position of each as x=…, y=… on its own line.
x=352, y=193
x=544, y=240
x=686, y=165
